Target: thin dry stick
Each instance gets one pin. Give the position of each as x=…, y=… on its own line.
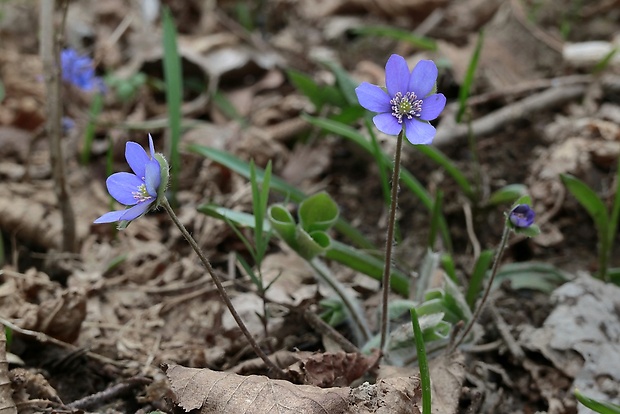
x=51, y=70
x=43, y=338
x=389, y=240
x=272, y=367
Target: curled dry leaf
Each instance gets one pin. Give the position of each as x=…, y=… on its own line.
x=227, y=393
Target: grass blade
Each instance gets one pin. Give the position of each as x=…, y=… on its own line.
x=598, y=406
x=174, y=91
x=446, y=163
x=465, y=89
x=89, y=134
x=425, y=374
x=477, y=277
x=398, y=34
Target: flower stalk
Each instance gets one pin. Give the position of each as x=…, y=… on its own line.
x=389, y=241
x=277, y=371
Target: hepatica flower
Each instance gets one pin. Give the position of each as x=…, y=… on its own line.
x=141, y=190
x=522, y=216
x=409, y=102
x=79, y=70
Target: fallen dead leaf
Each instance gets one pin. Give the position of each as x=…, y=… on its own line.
x=227, y=393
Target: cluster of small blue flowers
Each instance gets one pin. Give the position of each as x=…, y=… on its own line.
x=79, y=70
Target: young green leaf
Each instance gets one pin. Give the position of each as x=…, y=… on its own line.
x=465, y=89
x=600, y=407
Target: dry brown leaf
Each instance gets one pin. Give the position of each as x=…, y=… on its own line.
x=331, y=369
x=227, y=393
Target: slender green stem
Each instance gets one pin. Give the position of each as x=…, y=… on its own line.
x=389, y=241
x=478, y=311
x=272, y=367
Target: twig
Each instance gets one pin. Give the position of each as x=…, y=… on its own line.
x=321, y=327
x=43, y=338
x=509, y=340
x=100, y=398
x=469, y=225
x=277, y=371
x=51, y=69
x=518, y=110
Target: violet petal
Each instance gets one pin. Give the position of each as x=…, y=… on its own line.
x=387, y=124
x=396, y=75
x=432, y=106
x=423, y=78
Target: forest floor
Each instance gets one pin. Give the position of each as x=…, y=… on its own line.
x=134, y=315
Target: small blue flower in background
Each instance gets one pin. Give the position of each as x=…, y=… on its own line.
x=140, y=189
x=522, y=216
x=409, y=101
x=79, y=70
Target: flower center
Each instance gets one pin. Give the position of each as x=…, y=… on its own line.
x=142, y=194
x=408, y=105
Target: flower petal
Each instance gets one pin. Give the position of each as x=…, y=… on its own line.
x=136, y=211
x=110, y=217
x=152, y=178
x=136, y=158
x=387, y=124
x=122, y=185
x=151, y=146
x=396, y=75
x=373, y=98
x=419, y=132
x=432, y=106
x=423, y=78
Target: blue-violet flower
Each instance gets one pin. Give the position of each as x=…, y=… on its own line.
x=79, y=70
x=522, y=216
x=410, y=101
x=140, y=190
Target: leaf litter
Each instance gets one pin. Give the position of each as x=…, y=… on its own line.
x=129, y=302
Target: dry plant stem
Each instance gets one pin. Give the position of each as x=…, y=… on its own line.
x=496, y=262
x=389, y=241
x=272, y=367
x=44, y=338
x=116, y=391
x=51, y=69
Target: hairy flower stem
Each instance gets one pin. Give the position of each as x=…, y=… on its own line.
x=277, y=371
x=389, y=241
x=49, y=56
x=478, y=311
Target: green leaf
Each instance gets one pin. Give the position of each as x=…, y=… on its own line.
x=596, y=405
x=174, y=92
x=345, y=83
x=340, y=252
x=2, y=91
x=507, y=194
x=435, y=219
x=421, y=42
x=538, y=276
x=531, y=231
x=477, y=276
x=615, y=210
x=465, y=89
x=318, y=212
x=284, y=224
x=277, y=184
x=590, y=201
x=318, y=95
x=310, y=245
x=438, y=157
x=447, y=262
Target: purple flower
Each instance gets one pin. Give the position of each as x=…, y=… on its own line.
x=140, y=189
x=79, y=71
x=522, y=216
x=408, y=102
